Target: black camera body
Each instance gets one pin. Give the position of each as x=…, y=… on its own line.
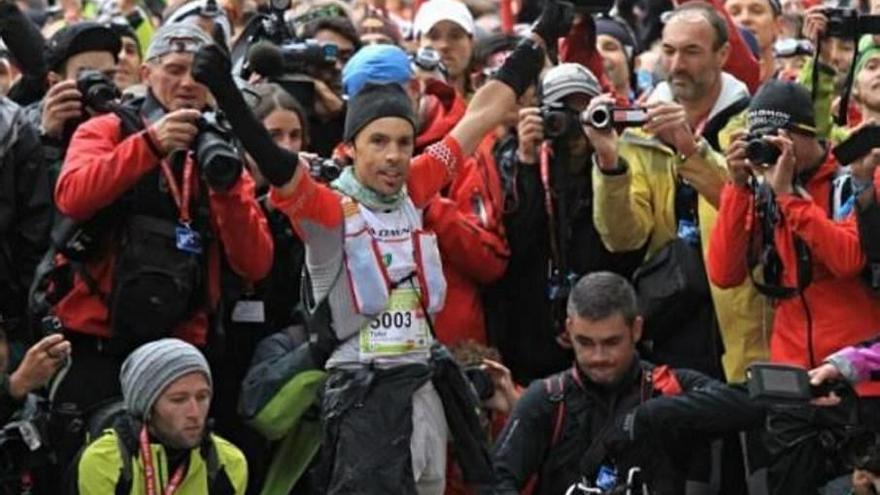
x=98, y=91
x=761, y=152
x=305, y=56
x=847, y=23
x=219, y=160
x=481, y=381
x=324, y=170
x=557, y=121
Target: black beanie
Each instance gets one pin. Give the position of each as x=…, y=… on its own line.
x=375, y=101
x=782, y=105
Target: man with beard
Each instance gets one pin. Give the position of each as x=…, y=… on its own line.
x=161, y=444
x=557, y=422
x=662, y=182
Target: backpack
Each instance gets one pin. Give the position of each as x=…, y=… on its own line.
x=155, y=285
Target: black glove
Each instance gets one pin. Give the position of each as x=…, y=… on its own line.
x=213, y=68
x=555, y=21
x=522, y=67
x=27, y=46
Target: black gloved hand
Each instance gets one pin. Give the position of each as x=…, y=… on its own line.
x=522, y=67
x=555, y=21
x=27, y=46
x=213, y=68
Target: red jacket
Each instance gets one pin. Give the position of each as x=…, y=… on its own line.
x=470, y=231
x=98, y=170
x=445, y=108
x=842, y=309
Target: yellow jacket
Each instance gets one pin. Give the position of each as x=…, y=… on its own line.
x=639, y=205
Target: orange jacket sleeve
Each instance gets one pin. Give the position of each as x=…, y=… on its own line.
x=834, y=244
x=243, y=229
x=433, y=170
x=728, y=244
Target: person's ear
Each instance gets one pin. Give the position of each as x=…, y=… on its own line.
x=145, y=71
x=723, y=54
x=637, y=327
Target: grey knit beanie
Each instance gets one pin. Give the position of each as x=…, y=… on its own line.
x=152, y=367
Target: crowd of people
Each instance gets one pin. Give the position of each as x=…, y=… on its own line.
x=439, y=247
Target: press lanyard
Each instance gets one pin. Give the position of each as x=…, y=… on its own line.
x=150, y=473
x=182, y=200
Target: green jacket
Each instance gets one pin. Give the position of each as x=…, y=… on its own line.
x=100, y=468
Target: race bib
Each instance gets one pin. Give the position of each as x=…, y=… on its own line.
x=400, y=329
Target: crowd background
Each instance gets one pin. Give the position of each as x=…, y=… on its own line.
x=743, y=237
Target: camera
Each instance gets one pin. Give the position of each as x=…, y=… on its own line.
x=608, y=116
x=849, y=24
x=302, y=56
x=557, y=121
x=791, y=47
x=98, y=91
x=24, y=446
x=481, y=381
x=761, y=152
x=219, y=160
x=324, y=169
x=427, y=59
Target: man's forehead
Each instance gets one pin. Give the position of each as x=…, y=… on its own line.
x=690, y=28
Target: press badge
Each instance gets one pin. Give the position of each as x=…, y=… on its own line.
x=188, y=240
x=249, y=311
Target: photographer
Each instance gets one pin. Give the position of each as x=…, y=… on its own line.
x=660, y=185
x=528, y=311
x=166, y=201
x=810, y=263
x=80, y=47
x=557, y=424
x=385, y=428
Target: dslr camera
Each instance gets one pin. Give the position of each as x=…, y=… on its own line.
x=761, y=152
x=324, y=170
x=98, y=91
x=481, y=381
x=220, y=161
x=557, y=121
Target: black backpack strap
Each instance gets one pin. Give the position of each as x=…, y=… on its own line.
x=218, y=481
x=555, y=388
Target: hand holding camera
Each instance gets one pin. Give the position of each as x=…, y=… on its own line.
x=63, y=102
x=530, y=131
x=176, y=130
x=603, y=139
x=781, y=175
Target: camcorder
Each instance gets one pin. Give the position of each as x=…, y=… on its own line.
x=324, y=170
x=219, y=161
x=776, y=383
x=558, y=121
x=760, y=152
x=428, y=60
x=849, y=23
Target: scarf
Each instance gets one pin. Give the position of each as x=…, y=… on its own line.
x=349, y=185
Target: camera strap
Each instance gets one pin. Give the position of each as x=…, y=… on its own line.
x=181, y=195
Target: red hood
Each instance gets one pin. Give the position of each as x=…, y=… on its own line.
x=579, y=46
x=445, y=107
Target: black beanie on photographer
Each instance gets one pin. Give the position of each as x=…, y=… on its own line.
x=375, y=101
x=782, y=105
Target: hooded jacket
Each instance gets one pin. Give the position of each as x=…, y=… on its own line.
x=836, y=309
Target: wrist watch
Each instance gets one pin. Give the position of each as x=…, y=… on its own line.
x=702, y=149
